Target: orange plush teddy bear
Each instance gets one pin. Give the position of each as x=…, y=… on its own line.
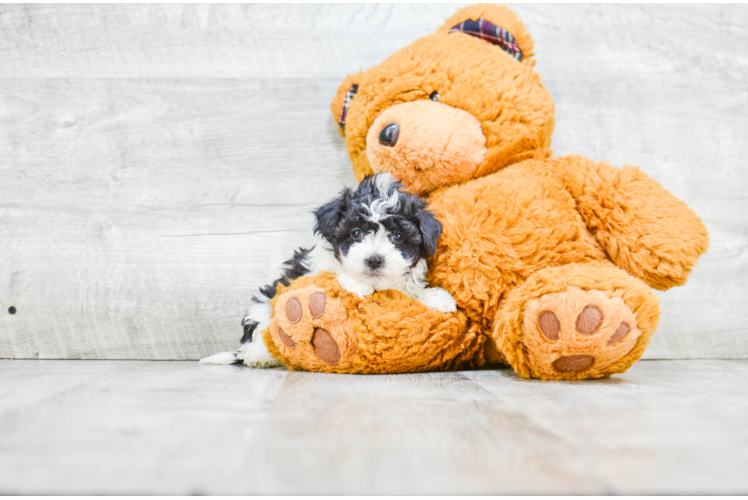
x=552, y=261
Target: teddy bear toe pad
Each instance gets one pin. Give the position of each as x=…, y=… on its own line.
x=578, y=333
x=312, y=329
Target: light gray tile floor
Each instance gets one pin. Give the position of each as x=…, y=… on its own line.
x=179, y=427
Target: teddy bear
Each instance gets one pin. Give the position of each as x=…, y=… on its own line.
x=552, y=261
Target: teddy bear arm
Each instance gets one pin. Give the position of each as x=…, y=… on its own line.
x=644, y=228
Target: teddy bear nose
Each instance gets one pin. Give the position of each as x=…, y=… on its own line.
x=389, y=134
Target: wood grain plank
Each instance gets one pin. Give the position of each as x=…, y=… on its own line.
x=139, y=215
x=171, y=40
x=130, y=426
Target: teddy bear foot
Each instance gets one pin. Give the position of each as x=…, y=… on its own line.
x=312, y=329
x=578, y=333
x=579, y=321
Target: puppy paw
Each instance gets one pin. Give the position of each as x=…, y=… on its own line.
x=438, y=299
x=256, y=355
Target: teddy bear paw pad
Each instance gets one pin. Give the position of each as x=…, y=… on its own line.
x=312, y=329
x=578, y=333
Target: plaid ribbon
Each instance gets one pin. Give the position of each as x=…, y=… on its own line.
x=347, y=102
x=491, y=33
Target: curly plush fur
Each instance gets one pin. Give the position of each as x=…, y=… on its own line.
x=552, y=261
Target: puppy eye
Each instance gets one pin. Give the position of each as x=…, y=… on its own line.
x=357, y=234
x=396, y=238
x=434, y=96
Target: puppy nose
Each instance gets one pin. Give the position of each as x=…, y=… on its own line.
x=389, y=134
x=375, y=261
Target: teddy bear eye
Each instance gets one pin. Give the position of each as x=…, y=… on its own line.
x=434, y=96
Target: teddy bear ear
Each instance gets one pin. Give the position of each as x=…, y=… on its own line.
x=495, y=24
x=346, y=92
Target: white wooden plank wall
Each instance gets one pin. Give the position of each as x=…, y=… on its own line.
x=157, y=162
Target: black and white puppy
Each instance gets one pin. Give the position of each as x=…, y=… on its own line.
x=376, y=237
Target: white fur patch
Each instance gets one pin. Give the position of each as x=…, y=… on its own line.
x=259, y=312
x=387, y=203
x=256, y=355
x=415, y=281
x=353, y=285
x=322, y=258
x=437, y=299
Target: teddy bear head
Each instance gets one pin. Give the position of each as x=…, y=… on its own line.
x=455, y=105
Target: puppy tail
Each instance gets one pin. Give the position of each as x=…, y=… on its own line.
x=222, y=358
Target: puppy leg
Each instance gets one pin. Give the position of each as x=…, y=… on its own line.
x=253, y=351
x=256, y=355
x=437, y=299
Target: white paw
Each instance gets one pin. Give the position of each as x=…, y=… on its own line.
x=352, y=285
x=258, y=312
x=256, y=355
x=438, y=299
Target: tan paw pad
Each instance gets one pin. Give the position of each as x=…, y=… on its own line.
x=325, y=346
x=573, y=363
x=578, y=332
x=293, y=310
x=589, y=320
x=317, y=303
x=549, y=325
x=286, y=339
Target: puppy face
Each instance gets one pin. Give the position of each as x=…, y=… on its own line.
x=378, y=232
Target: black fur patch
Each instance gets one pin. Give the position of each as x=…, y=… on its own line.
x=292, y=269
x=249, y=331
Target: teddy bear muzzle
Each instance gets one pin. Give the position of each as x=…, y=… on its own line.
x=426, y=144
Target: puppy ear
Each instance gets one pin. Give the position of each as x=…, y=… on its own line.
x=431, y=229
x=328, y=215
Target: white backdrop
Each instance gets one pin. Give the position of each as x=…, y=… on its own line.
x=157, y=162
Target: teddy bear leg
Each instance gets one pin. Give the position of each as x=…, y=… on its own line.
x=578, y=321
